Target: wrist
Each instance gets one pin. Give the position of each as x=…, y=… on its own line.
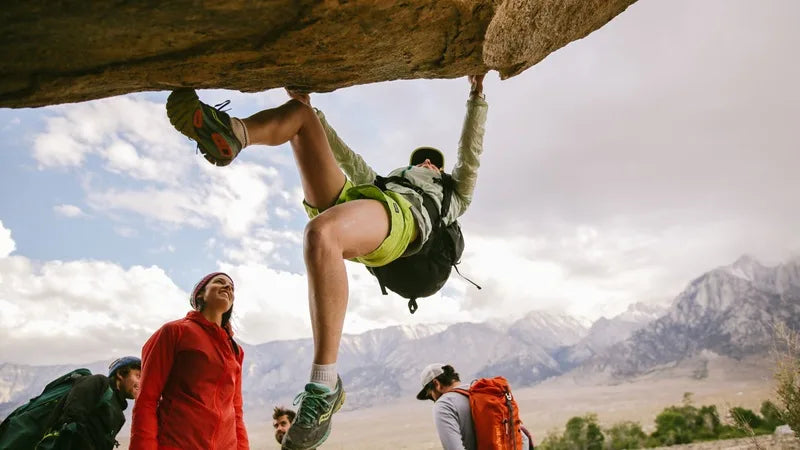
x=476, y=94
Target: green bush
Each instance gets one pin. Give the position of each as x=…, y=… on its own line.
x=553, y=441
x=771, y=414
x=625, y=435
x=707, y=424
x=582, y=433
x=745, y=418
x=673, y=426
x=685, y=424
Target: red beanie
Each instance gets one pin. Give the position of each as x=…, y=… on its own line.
x=201, y=284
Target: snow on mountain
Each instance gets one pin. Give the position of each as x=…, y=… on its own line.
x=729, y=311
x=606, y=332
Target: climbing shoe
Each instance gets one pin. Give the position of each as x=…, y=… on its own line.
x=312, y=424
x=209, y=127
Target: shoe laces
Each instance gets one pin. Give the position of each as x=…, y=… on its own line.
x=219, y=106
x=312, y=405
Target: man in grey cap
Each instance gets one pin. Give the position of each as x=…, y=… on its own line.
x=452, y=414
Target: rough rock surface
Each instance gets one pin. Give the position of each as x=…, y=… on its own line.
x=68, y=51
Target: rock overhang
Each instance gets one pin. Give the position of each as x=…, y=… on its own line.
x=75, y=51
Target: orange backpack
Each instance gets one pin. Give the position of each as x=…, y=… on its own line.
x=494, y=414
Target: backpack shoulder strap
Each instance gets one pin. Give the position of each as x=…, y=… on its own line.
x=447, y=194
x=461, y=391
x=427, y=201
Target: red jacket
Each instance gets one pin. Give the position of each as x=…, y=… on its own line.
x=191, y=389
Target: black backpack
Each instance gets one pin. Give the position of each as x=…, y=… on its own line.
x=26, y=425
x=425, y=272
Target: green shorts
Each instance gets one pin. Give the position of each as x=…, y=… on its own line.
x=401, y=221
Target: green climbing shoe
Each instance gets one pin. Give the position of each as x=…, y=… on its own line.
x=312, y=425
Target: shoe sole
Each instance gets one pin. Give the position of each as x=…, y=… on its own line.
x=186, y=115
x=181, y=107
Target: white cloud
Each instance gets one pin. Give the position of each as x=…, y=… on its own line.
x=7, y=244
x=265, y=246
x=132, y=136
x=173, y=186
x=70, y=211
x=235, y=198
x=57, y=312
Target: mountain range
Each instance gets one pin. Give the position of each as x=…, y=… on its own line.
x=727, y=311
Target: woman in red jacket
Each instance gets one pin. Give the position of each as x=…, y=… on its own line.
x=191, y=385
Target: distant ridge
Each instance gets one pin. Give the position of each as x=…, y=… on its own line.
x=727, y=311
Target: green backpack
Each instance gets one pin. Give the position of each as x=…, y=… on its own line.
x=26, y=425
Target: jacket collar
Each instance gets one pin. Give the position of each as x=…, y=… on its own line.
x=117, y=395
x=200, y=319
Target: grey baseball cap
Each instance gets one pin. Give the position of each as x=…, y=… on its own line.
x=430, y=372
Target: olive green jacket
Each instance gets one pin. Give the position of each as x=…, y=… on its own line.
x=465, y=172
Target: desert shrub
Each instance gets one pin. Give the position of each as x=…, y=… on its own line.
x=553, y=440
x=673, y=426
x=584, y=433
x=581, y=433
x=707, y=425
x=771, y=414
x=625, y=435
x=745, y=418
x=787, y=375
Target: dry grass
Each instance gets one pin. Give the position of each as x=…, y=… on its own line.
x=787, y=375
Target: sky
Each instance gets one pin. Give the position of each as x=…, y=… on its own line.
x=615, y=171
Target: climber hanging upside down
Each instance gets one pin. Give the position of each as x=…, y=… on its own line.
x=354, y=215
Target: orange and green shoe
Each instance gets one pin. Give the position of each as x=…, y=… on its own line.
x=209, y=126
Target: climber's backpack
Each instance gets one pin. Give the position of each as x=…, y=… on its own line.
x=495, y=414
x=26, y=425
x=425, y=272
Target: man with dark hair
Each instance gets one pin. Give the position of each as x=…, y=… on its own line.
x=452, y=413
x=281, y=421
x=92, y=412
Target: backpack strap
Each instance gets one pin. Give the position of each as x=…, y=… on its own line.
x=461, y=391
x=528, y=435
x=427, y=201
x=447, y=193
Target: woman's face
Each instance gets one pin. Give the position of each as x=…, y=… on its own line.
x=218, y=293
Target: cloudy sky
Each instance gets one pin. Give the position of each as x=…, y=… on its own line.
x=615, y=171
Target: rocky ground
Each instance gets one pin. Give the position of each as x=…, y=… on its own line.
x=768, y=442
